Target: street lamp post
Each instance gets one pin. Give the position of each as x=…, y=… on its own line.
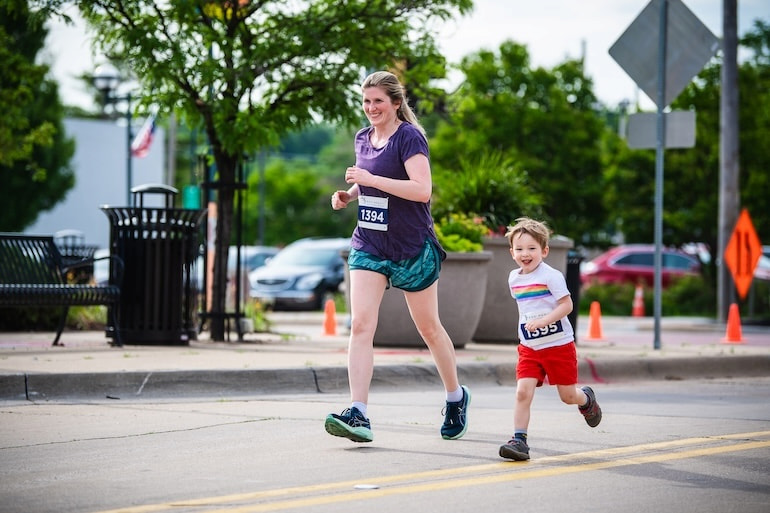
x=106, y=79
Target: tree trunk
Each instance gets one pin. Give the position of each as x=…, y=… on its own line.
x=224, y=186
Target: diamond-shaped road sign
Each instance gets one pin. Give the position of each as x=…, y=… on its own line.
x=742, y=253
x=689, y=46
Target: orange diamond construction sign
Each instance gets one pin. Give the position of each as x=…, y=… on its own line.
x=742, y=253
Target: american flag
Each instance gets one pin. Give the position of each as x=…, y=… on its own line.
x=141, y=143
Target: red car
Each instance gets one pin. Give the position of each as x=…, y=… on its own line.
x=635, y=263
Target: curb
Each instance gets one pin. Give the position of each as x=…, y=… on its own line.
x=239, y=383
x=680, y=368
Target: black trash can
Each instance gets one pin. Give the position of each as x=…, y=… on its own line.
x=158, y=246
x=574, y=260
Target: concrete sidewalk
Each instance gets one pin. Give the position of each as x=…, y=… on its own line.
x=297, y=357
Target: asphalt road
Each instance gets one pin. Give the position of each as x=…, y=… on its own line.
x=664, y=446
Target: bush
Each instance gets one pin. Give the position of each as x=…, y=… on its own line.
x=756, y=308
x=615, y=299
x=461, y=233
x=689, y=296
x=492, y=185
x=33, y=318
x=29, y=318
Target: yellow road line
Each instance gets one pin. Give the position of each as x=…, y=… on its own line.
x=497, y=473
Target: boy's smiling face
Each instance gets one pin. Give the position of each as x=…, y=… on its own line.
x=527, y=253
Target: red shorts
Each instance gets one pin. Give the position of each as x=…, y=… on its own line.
x=558, y=363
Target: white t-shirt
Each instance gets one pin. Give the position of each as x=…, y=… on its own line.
x=536, y=295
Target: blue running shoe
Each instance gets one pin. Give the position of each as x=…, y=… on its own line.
x=456, y=417
x=350, y=424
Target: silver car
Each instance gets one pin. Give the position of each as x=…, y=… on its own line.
x=302, y=276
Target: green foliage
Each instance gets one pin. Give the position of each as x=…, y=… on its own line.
x=307, y=143
x=340, y=303
x=615, y=299
x=688, y=296
x=34, y=151
x=334, y=158
x=269, y=68
x=296, y=204
x=29, y=318
x=87, y=317
x=255, y=311
x=490, y=185
x=756, y=308
x=47, y=318
x=252, y=74
x=542, y=121
x=461, y=233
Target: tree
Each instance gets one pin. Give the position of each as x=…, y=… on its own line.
x=297, y=183
x=542, y=120
x=34, y=150
x=253, y=71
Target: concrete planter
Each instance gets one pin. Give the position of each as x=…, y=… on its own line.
x=500, y=315
x=461, y=290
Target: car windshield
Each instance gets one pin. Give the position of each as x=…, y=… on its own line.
x=302, y=255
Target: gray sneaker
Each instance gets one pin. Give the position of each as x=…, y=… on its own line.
x=515, y=449
x=592, y=412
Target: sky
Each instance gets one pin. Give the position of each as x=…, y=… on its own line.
x=552, y=30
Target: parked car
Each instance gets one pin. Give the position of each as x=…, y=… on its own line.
x=635, y=263
x=252, y=257
x=302, y=275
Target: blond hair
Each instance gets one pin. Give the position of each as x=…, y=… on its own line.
x=537, y=229
x=392, y=87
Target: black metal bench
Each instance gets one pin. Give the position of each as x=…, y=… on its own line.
x=33, y=273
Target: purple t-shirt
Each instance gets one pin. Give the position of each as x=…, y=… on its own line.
x=388, y=226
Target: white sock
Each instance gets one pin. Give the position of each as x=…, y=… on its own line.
x=360, y=406
x=453, y=397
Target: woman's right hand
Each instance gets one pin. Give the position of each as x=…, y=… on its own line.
x=340, y=199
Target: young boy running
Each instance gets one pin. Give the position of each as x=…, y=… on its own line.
x=547, y=342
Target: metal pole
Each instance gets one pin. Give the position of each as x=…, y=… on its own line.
x=659, y=153
x=129, y=160
x=729, y=199
x=261, y=198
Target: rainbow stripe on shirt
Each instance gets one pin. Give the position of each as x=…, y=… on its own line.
x=529, y=292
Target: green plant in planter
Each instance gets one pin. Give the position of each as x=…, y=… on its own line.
x=256, y=312
x=493, y=186
x=461, y=233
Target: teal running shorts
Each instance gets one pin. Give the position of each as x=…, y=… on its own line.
x=412, y=275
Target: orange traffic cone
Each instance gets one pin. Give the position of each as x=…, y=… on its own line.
x=595, y=322
x=637, y=308
x=734, y=334
x=330, y=318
